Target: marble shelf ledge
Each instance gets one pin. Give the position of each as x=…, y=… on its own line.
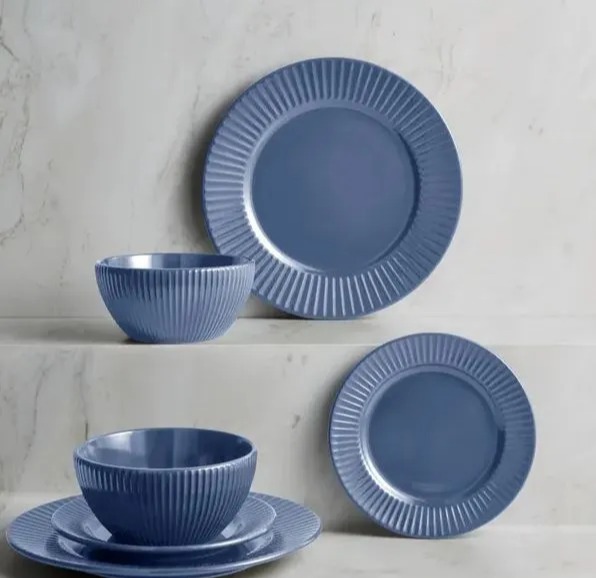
x=492, y=552
x=488, y=330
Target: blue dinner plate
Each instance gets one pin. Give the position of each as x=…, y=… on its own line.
x=432, y=435
x=75, y=521
x=340, y=180
x=33, y=536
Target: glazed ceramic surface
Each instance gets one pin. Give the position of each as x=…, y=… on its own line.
x=340, y=180
x=165, y=486
x=174, y=297
x=432, y=435
x=75, y=521
x=33, y=536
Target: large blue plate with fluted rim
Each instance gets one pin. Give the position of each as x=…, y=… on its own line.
x=432, y=435
x=340, y=180
x=33, y=536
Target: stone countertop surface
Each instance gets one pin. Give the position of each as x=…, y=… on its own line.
x=492, y=552
x=488, y=330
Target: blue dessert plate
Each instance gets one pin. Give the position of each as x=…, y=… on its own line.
x=432, y=435
x=33, y=536
x=340, y=180
x=75, y=521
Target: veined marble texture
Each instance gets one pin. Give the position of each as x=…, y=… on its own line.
x=106, y=108
x=275, y=386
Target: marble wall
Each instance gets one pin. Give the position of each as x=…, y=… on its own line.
x=53, y=395
x=106, y=106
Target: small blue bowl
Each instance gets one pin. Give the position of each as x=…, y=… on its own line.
x=174, y=297
x=165, y=486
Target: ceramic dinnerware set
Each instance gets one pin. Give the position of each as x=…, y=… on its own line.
x=171, y=502
x=332, y=189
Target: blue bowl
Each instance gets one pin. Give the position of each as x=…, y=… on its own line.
x=174, y=297
x=165, y=486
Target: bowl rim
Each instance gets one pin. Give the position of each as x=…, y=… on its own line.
x=238, y=261
x=77, y=451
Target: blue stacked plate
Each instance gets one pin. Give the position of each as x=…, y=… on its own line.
x=75, y=521
x=164, y=502
x=33, y=536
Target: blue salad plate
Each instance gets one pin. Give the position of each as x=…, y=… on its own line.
x=75, y=520
x=340, y=180
x=432, y=436
x=33, y=536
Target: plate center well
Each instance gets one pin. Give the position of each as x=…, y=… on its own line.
x=334, y=189
x=433, y=435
